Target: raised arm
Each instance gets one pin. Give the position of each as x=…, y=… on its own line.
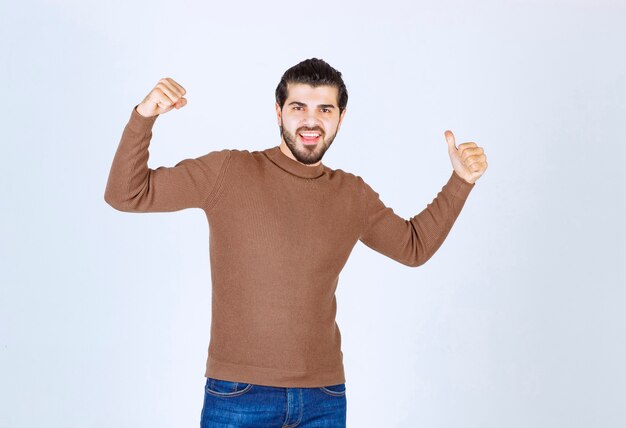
x=412, y=242
x=134, y=187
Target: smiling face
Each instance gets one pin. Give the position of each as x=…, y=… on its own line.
x=309, y=122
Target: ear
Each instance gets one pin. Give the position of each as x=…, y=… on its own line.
x=343, y=113
x=278, y=113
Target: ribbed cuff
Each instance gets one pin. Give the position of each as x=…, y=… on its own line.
x=461, y=188
x=139, y=123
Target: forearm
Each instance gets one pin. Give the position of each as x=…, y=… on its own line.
x=129, y=175
x=412, y=242
x=433, y=224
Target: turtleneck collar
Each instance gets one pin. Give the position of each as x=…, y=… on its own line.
x=292, y=166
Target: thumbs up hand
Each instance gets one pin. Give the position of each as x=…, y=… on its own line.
x=468, y=160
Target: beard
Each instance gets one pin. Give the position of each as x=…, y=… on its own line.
x=307, y=155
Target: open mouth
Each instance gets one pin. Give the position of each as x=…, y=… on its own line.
x=310, y=137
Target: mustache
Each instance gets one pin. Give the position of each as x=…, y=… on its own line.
x=321, y=131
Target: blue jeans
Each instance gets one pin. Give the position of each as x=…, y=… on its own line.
x=237, y=405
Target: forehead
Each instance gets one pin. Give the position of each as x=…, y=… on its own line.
x=324, y=94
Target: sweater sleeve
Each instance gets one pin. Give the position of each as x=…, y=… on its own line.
x=134, y=187
x=412, y=242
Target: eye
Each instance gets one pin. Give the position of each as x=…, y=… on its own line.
x=326, y=110
x=297, y=107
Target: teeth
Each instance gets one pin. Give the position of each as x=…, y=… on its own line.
x=309, y=135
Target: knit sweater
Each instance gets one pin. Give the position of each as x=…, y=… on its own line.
x=280, y=233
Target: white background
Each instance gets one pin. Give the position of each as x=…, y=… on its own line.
x=517, y=321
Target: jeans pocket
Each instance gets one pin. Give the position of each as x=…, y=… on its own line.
x=226, y=388
x=334, y=390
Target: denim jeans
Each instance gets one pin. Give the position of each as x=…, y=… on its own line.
x=237, y=405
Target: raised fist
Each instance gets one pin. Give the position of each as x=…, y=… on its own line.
x=166, y=95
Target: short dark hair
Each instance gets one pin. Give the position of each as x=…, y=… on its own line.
x=314, y=72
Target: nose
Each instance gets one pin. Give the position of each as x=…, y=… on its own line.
x=311, y=120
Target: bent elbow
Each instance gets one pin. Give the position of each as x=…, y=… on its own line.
x=417, y=262
x=113, y=203
x=108, y=199
x=116, y=203
x=419, y=258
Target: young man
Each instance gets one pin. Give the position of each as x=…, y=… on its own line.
x=282, y=225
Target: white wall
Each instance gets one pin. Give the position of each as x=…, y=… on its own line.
x=517, y=321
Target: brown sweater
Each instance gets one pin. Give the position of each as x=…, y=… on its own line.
x=280, y=234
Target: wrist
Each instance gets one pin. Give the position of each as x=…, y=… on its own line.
x=140, y=109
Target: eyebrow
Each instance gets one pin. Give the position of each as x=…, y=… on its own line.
x=318, y=106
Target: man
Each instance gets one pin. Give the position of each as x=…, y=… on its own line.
x=282, y=225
